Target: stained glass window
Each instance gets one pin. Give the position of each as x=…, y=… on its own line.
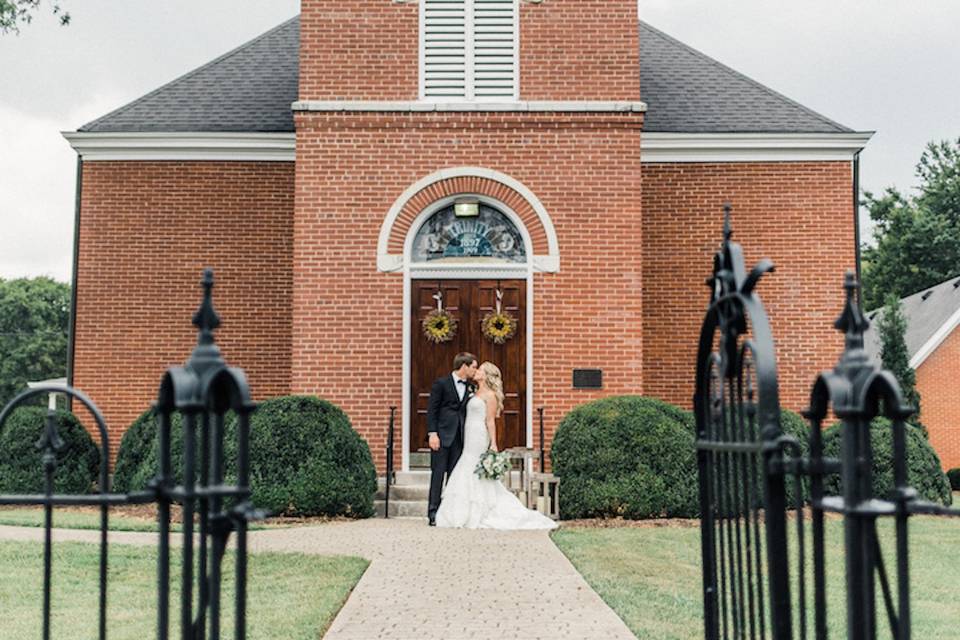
x=490, y=234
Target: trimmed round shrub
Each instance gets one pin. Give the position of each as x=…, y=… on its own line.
x=793, y=424
x=305, y=458
x=923, y=465
x=953, y=476
x=138, y=458
x=134, y=448
x=626, y=456
x=21, y=464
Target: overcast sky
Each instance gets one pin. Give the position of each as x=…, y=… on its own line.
x=882, y=65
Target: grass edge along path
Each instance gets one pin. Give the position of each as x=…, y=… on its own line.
x=290, y=596
x=650, y=576
x=121, y=519
x=72, y=519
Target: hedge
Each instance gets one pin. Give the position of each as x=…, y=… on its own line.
x=626, y=456
x=305, y=458
x=923, y=465
x=132, y=469
x=634, y=457
x=793, y=424
x=21, y=466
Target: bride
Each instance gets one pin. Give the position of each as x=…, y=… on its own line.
x=469, y=501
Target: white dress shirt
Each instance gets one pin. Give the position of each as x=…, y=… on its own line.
x=461, y=388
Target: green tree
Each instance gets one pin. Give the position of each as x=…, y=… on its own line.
x=13, y=13
x=939, y=173
x=892, y=327
x=916, y=238
x=34, y=316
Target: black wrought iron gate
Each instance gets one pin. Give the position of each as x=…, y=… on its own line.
x=755, y=480
x=203, y=391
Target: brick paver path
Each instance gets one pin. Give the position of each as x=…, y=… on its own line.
x=426, y=583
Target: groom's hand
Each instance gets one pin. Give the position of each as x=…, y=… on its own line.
x=434, y=442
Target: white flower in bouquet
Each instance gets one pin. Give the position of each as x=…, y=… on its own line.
x=492, y=465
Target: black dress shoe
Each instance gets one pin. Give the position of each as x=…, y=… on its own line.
x=433, y=522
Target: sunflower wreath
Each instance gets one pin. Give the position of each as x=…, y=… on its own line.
x=439, y=326
x=499, y=326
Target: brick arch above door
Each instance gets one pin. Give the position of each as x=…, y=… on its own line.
x=474, y=181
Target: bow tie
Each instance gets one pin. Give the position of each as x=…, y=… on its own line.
x=461, y=382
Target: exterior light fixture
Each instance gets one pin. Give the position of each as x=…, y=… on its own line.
x=466, y=208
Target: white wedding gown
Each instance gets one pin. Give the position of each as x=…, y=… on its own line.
x=472, y=503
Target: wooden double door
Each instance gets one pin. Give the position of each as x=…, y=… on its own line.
x=468, y=301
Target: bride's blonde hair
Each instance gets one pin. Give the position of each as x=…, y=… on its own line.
x=494, y=382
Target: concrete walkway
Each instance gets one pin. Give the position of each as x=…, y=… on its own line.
x=426, y=583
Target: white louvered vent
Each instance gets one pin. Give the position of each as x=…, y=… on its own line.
x=444, y=48
x=468, y=49
x=494, y=49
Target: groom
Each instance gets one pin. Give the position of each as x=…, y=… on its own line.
x=446, y=412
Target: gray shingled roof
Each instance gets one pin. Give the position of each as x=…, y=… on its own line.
x=251, y=89
x=689, y=92
x=925, y=312
x=247, y=89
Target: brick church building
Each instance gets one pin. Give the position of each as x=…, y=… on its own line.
x=358, y=166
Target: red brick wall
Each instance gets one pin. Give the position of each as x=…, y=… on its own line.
x=147, y=229
x=797, y=214
x=348, y=317
x=369, y=50
x=359, y=50
x=579, y=50
x=939, y=409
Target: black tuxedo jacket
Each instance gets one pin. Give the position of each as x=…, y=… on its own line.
x=445, y=411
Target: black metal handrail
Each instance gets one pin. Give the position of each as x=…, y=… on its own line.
x=543, y=469
x=389, y=478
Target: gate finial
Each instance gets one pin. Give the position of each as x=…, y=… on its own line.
x=206, y=318
x=727, y=224
x=852, y=322
x=206, y=355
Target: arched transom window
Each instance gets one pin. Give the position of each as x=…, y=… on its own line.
x=468, y=232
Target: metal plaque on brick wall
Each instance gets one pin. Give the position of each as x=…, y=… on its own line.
x=587, y=378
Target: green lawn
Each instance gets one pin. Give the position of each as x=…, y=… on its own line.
x=33, y=517
x=290, y=596
x=651, y=576
x=89, y=518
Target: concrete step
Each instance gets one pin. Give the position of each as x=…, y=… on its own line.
x=402, y=508
x=420, y=478
x=409, y=495
x=420, y=459
x=417, y=477
x=404, y=492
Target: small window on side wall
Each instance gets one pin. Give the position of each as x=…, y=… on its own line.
x=469, y=50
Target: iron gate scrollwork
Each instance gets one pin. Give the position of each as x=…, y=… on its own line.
x=737, y=409
x=203, y=391
x=753, y=587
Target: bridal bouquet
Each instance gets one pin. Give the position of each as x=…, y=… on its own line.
x=493, y=465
